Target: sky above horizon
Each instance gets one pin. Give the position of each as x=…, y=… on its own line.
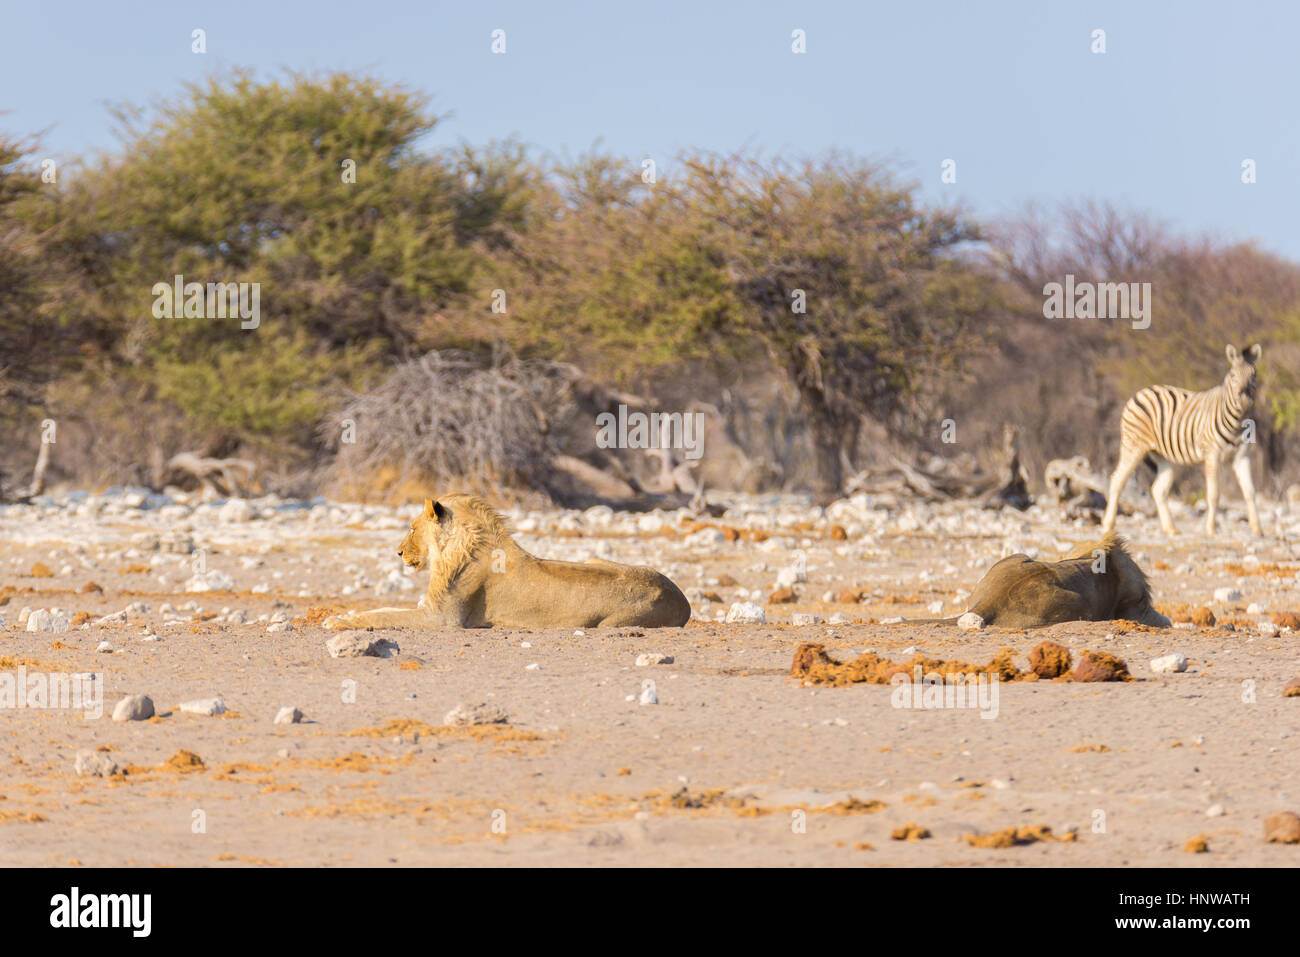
x=1161, y=122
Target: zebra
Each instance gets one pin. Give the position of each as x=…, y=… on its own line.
x=1178, y=427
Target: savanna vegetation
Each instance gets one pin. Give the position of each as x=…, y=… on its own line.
x=816, y=309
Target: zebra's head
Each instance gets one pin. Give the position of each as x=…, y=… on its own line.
x=1240, y=380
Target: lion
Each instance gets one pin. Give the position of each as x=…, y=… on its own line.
x=1098, y=581
x=480, y=578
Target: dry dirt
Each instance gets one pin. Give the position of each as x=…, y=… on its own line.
x=737, y=763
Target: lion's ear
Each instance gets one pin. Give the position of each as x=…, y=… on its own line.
x=429, y=506
x=439, y=512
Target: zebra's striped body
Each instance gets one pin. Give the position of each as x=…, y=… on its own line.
x=1179, y=427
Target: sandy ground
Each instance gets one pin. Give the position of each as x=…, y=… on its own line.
x=737, y=764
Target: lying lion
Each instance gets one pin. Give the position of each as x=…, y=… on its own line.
x=480, y=578
x=1095, y=582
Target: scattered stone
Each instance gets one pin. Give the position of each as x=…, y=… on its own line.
x=653, y=658
x=1267, y=629
x=802, y=619
x=1223, y=595
x=212, y=580
x=94, y=764
x=472, y=715
x=279, y=626
x=1168, y=664
x=359, y=644
x=746, y=612
x=1215, y=810
x=648, y=695
x=209, y=707
x=136, y=707
x=970, y=622
x=288, y=715
x=1283, y=828
x=782, y=596
x=53, y=621
x=105, y=646
x=116, y=618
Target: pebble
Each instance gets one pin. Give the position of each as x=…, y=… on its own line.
x=1226, y=594
x=1215, y=810
x=470, y=715
x=96, y=764
x=136, y=707
x=802, y=619
x=1166, y=664
x=360, y=644
x=204, y=706
x=648, y=695
x=105, y=646
x=746, y=612
x=653, y=658
x=53, y=620
x=288, y=715
x=970, y=622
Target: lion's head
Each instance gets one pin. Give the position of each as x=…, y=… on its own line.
x=449, y=533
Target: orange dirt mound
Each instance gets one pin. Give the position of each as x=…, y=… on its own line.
x=911, y=831
x=315, y=615
x=1049, y=660
x=1197, y=845
x=41, y=570
x=781, y=596
x=184, y=760
x=1292, y=689
x=1017, y=836
x=815, y=666
x=1100, y=666
x=1287, y=619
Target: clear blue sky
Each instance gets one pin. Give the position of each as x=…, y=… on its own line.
x=1010, y=90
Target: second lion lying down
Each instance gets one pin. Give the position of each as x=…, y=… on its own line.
x=1098, y=581
x=479, y=578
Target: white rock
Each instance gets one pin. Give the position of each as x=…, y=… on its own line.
x=136, y=707
x=53, y=620
x=94, y=764
x=935, y=607
x=1267, y=629
x=1215, y=810
x=1166, y=664
x=802, y=619
x=115, y=618
x=970, y=622
x=653, y=658
x=705, y=537
x=648, y=695
x=358, y=644
x=204, y=706
x=746, y=612
x=288, y=715
x=105, y=646
x=235, y=510
x=1226, y=594
x=213, y=580
x=1254, y=608
x=279, y=626
x=469, y=715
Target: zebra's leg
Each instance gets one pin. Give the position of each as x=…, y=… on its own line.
x=1160, y=492
x=1211, y=491
x=1129, y=458
x=1241, y=468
